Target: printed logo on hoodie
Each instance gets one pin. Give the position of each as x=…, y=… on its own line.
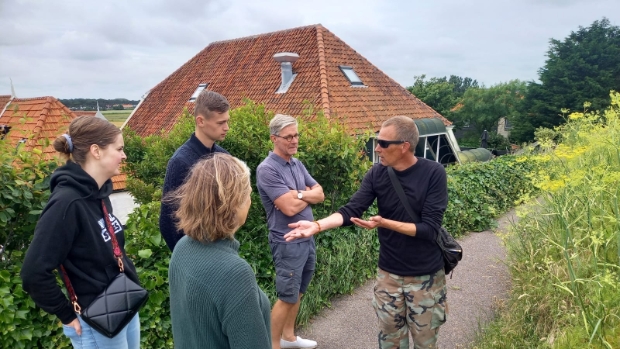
x=115, y=224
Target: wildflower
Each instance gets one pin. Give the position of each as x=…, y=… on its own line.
x=575, y=116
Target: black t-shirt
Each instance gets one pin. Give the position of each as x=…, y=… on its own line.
x=425, y=185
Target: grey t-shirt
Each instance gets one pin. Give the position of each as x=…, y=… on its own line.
x=274, y=178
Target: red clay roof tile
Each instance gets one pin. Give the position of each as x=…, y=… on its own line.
x=118, y=182
x=245, y=68
x=39, y=120
x=4, y=100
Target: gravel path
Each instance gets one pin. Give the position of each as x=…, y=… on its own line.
x=478, y=283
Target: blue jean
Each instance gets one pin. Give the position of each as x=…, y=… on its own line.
x=128, y=338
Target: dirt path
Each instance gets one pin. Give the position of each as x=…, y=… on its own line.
x=480, y=280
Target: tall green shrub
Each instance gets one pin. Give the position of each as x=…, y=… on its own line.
x=24, y=191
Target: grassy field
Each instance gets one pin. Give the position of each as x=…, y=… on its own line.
x=117, y=117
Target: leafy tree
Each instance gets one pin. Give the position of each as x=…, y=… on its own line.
x=483, y=107
x=585, y=66
x=437, y=93
x=462, y=84
x=441, y=94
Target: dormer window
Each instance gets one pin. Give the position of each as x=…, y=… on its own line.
x=350, y=74
x=199, y=89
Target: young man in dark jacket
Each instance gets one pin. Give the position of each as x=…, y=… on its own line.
x=211, y=113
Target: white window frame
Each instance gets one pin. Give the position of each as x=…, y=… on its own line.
x=200, y=88
x=345, y=69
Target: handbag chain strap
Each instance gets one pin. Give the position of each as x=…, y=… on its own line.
x=117, y=254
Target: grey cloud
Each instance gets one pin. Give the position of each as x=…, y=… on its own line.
x=187, y=11
x=18, y=34
x=123, y=48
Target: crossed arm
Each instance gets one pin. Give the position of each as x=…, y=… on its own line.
x=290, y=205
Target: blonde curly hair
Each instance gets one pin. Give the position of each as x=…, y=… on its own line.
x=209, y=199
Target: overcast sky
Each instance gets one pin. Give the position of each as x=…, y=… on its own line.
x=121, y=49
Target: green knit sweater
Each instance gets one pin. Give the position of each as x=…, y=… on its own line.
x=215, y=301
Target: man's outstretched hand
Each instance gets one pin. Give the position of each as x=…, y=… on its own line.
x=301, y=229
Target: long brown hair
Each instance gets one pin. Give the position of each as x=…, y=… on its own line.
x=85, y=131
x=210, y=197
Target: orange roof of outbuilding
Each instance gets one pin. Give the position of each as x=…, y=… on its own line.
x=245, y=68
x=38, y=121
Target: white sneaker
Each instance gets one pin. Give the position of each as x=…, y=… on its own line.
x=298, y=344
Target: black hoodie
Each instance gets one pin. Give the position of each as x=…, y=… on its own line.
x=71, y=231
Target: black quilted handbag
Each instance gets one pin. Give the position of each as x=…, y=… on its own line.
x=114, y=308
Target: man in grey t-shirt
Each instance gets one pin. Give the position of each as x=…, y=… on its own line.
x=286, y=190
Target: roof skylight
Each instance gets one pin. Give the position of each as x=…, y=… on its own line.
x=351, y=75
x=199, y=89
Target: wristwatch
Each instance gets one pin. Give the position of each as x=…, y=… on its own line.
x=300, y=195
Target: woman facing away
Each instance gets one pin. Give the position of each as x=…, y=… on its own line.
x=215, y=301
x=72, y=232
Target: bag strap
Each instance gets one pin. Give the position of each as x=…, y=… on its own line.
x=403, y=199
x=401, y=194
x=115, y=249
x=72, y=295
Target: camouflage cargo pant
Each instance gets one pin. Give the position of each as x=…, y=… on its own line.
x=410, y=303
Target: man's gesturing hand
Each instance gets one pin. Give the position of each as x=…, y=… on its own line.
x=371, y=223
x=301, y=229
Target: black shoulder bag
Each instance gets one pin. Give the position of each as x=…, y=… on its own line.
x=114, y=308
x=450, y=249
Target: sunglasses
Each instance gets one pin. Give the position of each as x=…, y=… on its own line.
x=384, y=144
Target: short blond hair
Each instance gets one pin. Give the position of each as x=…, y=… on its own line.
x=208, y=200
x=406, y=130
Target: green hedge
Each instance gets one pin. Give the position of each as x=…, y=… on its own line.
x=346, y=257
x=480, y=191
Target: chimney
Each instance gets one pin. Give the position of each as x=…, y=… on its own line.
x=286, y=60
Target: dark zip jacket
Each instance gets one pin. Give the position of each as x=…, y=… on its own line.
x=72, y=231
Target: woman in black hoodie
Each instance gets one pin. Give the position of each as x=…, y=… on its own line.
x=72, y=232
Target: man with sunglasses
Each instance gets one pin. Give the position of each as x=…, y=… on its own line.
x=287, y=190
x=410, y=290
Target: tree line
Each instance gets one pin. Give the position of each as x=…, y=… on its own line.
x=91, y=103
x=584, y=67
